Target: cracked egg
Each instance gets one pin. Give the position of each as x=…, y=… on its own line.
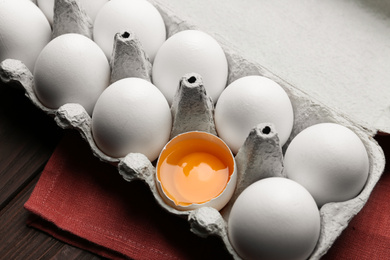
x=196, y=169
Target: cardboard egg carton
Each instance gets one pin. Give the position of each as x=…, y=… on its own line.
x=253, y=159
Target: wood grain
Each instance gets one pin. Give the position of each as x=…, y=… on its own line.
x=18, y=241
x=27, y=139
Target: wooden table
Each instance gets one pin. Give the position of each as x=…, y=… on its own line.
x=27, y=139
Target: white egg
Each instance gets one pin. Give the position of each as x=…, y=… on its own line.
x=71, y=69
x=91, y=7
x=329, y=160
x=274, y=218
x=249, y=101
x=186, y=52
x=131, y=116
x=137, y=16
x=24, y=31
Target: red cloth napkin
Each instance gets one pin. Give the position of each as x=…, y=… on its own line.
x=86, y=203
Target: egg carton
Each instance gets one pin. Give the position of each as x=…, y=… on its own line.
x=261, y=155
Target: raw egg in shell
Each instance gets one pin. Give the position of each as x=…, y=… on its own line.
x=329, y=160
x=131, y=116
x=274, y=218
x=24, y=31
x=249, y=101
x=190, y=51
x=196, y=169
x=137, y=16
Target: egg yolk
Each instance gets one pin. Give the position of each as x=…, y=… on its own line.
x=194, y=171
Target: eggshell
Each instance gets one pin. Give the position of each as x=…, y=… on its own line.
x=249, y=101
x=24, y=31
x=131, y=116
x=91, y=7
x=136, y=16
x=223, y=198
x=329, y=160
x=274, y=218
x=190, y=51
x=71, y=69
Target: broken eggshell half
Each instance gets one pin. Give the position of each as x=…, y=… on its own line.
x=206, y=221
x=196, y=169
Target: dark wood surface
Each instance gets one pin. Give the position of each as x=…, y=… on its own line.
x=27, y=139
